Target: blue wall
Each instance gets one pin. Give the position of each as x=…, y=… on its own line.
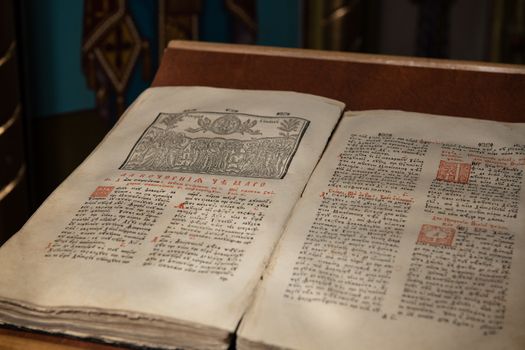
x=53, y=39
x=53, y=33
x=53, y=42
x=279, y=22
x=214, y=22
x=145, y=17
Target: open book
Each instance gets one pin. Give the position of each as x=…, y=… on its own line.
x=200, y=221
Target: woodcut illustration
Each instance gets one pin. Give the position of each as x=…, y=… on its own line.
x=218, y=143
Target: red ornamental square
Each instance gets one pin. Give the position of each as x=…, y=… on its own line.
x=102, y=192
x=454, y=172
x=436, y=235
x=464, y=173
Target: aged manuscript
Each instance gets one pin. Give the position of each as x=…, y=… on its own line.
x=198, y=218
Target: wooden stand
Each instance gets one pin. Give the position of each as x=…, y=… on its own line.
x=469, y=89
x=457, y=88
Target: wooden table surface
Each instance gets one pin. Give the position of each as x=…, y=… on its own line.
x=14, y=339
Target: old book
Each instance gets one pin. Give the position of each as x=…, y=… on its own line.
x=409, y=233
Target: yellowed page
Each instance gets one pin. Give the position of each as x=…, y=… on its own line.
x=177, y=211
x=410, y=235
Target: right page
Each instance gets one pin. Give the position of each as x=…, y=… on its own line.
x=409, y=235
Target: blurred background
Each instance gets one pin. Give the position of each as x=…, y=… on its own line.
x=68, y=68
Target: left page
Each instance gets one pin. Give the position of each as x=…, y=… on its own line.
x=176, y=212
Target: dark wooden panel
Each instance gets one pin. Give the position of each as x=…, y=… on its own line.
x=13, y=207
x=13, y=191
x=8, y=89
x=12, y=156
x=59, y=144
x=7, y=25
x=441, y=87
